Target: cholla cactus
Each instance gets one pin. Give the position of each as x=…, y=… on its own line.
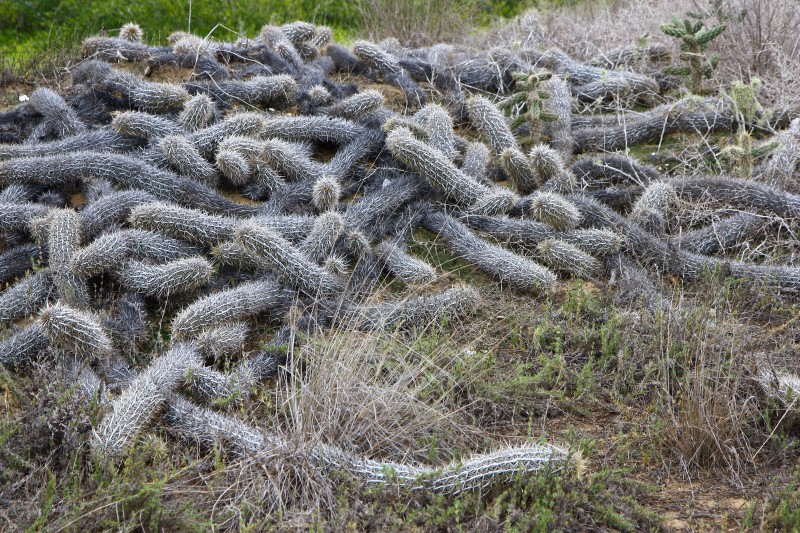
x=476, y=159
x=144, y=95
x=376, y=57
x=75, y=331
x=109, y=210
x=657, y=196
x=184, y=157
x=144, y=125
x=418, y=312
x=18, y=216
x=550, y=169
x=439, y=125
x=555, y=210
x=435, y=168
x=325, y=194
x=318, y=129
x=198, y=112
x=598, y=242
x=404, y=266
x=565, y=257
x=232, y=305
x=242, y=124
x=319, y=96
x=722, y=235
x=320, y=242
x=138, y=405
x=222, y=341
x=16, y=261
x=26, y=296
x=356, y=106
x=161, y=281
x=559, y=106
x=131, y=32
x=100, y=139
x=285, y=158
x=63, y=240
x=181, y=223
x=23, y=346
x=519, y=169
x=512, y=269
x=286, y=259
x=59, y=116
x=489, y=120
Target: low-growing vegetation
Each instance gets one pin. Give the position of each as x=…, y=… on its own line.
x=270, y=277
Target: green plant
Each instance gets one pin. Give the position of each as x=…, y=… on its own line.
x=528, y=103
x=695, y=38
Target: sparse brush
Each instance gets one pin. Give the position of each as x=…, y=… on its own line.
x=60, y=118
x=181, y=223
x=144, y=125
x=63, y=240
x=184, y=157
x=490, y=122
x=563, y=256
x=232, y=305
x=161, y=281
x=326, y=193
x=355, y=106
x=286, y=259
x=75, y=331
x=23, y=346
x=403, y=265
x=553, y=209
x=322, y=239
x=509, y=268
x=198, y=112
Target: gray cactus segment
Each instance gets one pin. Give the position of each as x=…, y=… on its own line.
x=109, y=210
x=476, y=159
x=318, y=129
x=16, y=261
x=633, y=285
x=209, y=385
x=131, y=32
x=509, y=268
x=26, y=296
x=319, y=96
x=565, y=257
x=610, y=170
x=75, y=331
x=490, y=122
x=286, y=259
x=704, y=118
x=137, y=407
x=518, y=233
x=722, y=235
x=100, y=140
x=293, y=228
x=259, y=91
x=657, y=196
x=234, y=255
x=435, y=169
x=18, y=193
x=403, y=265
x=119, y=169
x=184, y=157
x=346, y=157
x=553, y=209
x=186, y=224
x=63, y=240
x=114, y=49
x=320, y=242
x=688, y=266
x=596, y=242
x=325, y=195
x=519, y=169
x=284, y=157
x=143, y=95
x=18, y=216
x=60, y=118
x=161, y=281
x=144, y=125
x=208, y=429
x=233, y=166
x=559, y=105
x=439, y=125
x=232, y=305
x=221, y=342
x=376, y=57
x=198, y=112
x=242, y=124
x=23, y=346
x=355, y=106
x=745, y=195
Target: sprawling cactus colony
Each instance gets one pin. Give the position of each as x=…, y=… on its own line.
x=282, y=186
